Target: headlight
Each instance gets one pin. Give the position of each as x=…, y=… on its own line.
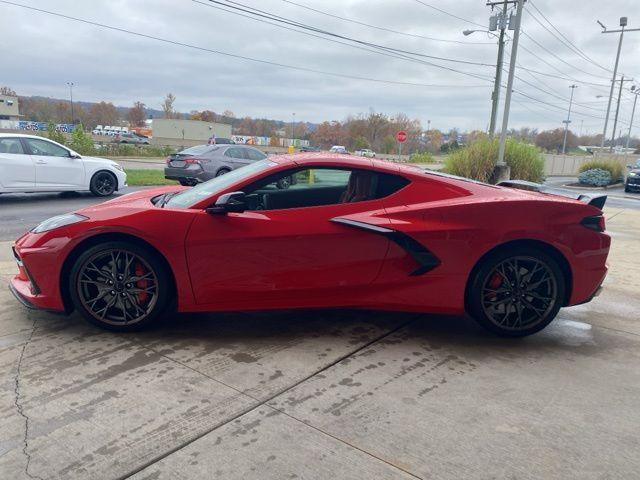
x=59, y=221
x=118, y=166
x=633, y=174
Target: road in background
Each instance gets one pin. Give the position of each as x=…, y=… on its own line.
x=20, y=212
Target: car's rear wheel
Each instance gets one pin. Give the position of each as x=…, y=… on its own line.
x=120, y=286
x=222, y=171
x=516, y=292
x=103, y=184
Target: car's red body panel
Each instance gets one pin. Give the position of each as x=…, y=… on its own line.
x=300, y=258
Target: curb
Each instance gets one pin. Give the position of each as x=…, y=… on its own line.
x=593, y=189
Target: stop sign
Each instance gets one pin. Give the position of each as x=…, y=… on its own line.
x=401, y=136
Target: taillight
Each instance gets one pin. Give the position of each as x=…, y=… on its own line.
x=168, y=160
x=194, y=160
x=595, y=223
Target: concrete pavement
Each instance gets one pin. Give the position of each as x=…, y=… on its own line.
x=324, y=394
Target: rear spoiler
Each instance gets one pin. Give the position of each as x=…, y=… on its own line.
x=597, y=201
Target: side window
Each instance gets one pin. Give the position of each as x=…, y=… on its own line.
x=11, y=145
x=234, y=152
x=42, y=147
x=254, y=154
x=312, y=187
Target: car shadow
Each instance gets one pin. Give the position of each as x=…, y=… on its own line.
x=244, y=330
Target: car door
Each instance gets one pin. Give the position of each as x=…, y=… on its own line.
x=55, y=168
x=17, y=169
x=286, y=256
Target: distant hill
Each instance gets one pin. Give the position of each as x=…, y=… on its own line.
x=155, y=113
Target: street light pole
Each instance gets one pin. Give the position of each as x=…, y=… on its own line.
x=623, y=24
x=71, y=98
x=568, y=120
x=633, y=111
x=502, y=171
x=293, y=120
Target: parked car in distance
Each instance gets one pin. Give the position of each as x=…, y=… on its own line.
x=204, y=162
x=338, y=149
x=35, y=164
x=224, y=141
x=309, y=148
x=632, y=182
x=365, y=152
x=130, y=137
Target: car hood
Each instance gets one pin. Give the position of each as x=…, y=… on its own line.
x=140, y=200
x=98, y=160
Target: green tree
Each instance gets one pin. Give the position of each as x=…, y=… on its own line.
x=55, y=135
x=359, y=143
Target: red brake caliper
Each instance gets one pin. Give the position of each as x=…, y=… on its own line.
x=142, y=284
x=494, y=284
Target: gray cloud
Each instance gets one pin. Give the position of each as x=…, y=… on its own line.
x=42, y=52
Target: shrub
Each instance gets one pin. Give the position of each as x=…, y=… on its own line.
x=126, y=150
x=424, y=157
x=478, y=160
x=610, y=165
x=81, y=142
x=596, y=177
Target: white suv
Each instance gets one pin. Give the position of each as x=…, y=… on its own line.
x=35, y=164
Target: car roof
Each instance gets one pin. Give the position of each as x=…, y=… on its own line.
x=331, y=159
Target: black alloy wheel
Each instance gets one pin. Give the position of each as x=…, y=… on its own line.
x=517, y=293
x=103, y=184
x=119, y=286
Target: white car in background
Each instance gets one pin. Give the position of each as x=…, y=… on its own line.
x=35, y=164
x=365, y=152
x=338, y=149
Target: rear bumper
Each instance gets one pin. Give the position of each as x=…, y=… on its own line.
x=185, y=173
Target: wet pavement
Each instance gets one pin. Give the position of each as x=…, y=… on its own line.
x=320, y=394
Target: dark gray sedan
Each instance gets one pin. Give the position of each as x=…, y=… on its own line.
x=203, y=162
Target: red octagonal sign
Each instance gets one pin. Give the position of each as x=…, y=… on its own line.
x=401, y=136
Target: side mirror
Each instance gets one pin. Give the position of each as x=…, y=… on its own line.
x=228, y=203
x=73, y=154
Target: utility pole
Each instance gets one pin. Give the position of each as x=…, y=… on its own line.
x=568, y=120
x=615, y=122
x=495, y=96
x=623, y=24
x=502, y=170
x=293, y=121
x=71, y=97
x=635, y=92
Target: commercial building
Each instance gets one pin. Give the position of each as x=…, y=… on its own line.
x=9, y=108
x=186, y=132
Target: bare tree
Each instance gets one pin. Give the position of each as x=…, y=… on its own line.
x=167, y=106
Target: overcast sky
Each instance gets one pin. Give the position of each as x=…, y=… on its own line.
x=41, y=52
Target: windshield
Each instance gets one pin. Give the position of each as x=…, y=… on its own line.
x=189, y=198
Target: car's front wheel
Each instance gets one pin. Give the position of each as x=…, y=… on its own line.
x=103, y=184
x=120, y=286
x=516, y=291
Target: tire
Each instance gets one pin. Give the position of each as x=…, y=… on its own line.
x=222, y=171
x=102, y=295
x=103, y=184
x=515, y=308
x=627, y=189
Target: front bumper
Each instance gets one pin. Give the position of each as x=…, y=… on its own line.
x=633, y=184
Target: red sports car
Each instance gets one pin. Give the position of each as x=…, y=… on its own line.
x=348, y=232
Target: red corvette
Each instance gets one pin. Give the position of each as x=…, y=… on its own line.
x=347, y=232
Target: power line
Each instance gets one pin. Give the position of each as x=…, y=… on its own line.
x=233, y=55
x=558, y=58
x=450, y=14
x=568, y=43
x=262, y=14
x=384, y=29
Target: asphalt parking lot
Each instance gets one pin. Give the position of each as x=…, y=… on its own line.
x=319, y=394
